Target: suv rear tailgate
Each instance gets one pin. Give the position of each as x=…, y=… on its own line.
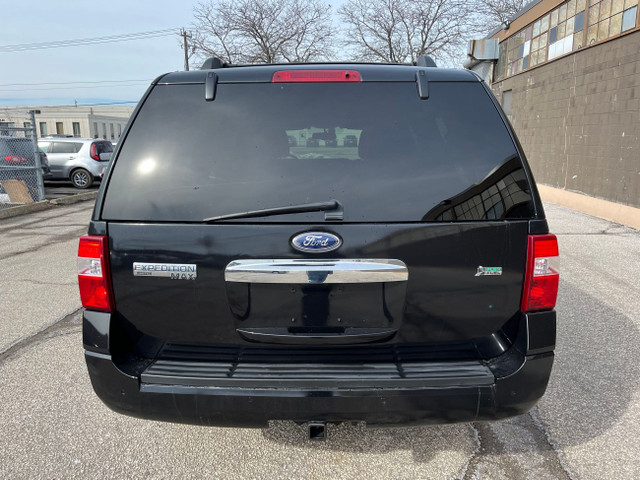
x=443, y=300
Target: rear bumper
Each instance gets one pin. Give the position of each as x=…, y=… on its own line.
x=518, y=379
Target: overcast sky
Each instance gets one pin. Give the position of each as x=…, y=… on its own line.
x=46, y=21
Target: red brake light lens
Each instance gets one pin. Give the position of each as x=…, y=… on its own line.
x=542, y=274
x=93, y=273
x=93, y=153
x=308, y=76
x=15, y=159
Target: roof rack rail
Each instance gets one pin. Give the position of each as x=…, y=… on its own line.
x=425, y=61
x=213, y=62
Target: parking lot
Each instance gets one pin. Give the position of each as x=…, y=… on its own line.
x=53, y=426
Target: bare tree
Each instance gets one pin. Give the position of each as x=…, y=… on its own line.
x=399, y=31
x=267, y=31
x=493, y=13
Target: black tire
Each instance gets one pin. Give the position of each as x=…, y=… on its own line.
x=81, y=178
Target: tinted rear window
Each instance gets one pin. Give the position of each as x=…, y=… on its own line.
x=379, y=149
x=103, y=147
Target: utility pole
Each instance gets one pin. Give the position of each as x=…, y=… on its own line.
x=185, y=36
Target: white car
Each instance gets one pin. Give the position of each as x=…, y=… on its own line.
x=81, y=160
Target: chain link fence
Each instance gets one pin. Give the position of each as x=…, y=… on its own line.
x=21, y=166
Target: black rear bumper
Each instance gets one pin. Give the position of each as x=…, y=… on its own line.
x=440, y=392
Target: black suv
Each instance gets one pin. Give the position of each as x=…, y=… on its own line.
x=400, y=271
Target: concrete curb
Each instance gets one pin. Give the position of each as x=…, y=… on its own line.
x=47, y=204
x=80, y=197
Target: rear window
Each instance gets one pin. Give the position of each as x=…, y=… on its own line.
x=103, y=147
x=377, y=148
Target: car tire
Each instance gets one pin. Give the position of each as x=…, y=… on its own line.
x=81, y=178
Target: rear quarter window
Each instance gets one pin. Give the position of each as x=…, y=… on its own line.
x=380, y=150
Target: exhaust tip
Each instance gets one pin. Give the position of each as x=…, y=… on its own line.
x=317, y=431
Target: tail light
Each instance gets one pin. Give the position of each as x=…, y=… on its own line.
x=314, y=76
x=15, y=159
x=93, y=273
x=94, y=152
x=541, y=276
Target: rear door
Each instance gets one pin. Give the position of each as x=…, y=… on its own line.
x=62, y=156
x=432, y=236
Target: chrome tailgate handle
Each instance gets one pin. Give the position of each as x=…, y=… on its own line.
x=311, y=271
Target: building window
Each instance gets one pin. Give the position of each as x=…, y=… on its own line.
x=76, y=129
x=629, y=18
x=610, y=17
x=563, y=30
x=95, y=130
x=519, y=50
x=566, y=28
x=59, y=128
x=104, y=131
x=119, y=130
x=502, y=61
x=539, y=40
x=506, y=102
x=43, y=129
x=112, y=131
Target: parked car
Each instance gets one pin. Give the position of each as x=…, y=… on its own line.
x=17, y=162
x=226, y=281
x=81, y=160
x=350, y=141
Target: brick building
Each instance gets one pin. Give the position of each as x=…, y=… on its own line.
x=568, y=76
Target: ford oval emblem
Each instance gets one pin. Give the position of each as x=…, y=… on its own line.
x=316, y=242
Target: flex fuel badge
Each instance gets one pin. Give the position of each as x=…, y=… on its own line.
x=488, y=271
x=174, y=271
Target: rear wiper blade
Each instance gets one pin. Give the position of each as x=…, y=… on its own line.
x=333, y=211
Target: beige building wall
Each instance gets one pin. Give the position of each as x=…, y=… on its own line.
x=85, y=118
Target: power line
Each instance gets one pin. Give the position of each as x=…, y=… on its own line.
x=75, y=88
x=71, y=83
x=89, y=41
x=9, y=109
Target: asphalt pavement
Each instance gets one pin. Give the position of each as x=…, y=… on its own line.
x=53, y=426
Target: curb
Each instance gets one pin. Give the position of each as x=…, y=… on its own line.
x=47, y=204
x=614, y=212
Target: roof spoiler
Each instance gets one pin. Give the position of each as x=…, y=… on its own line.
x=425, y=61
x=213, y=63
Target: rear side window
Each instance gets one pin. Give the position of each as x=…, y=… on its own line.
x=380, y=150
x=65, y=147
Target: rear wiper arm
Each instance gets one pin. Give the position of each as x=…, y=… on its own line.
x=333, y=211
